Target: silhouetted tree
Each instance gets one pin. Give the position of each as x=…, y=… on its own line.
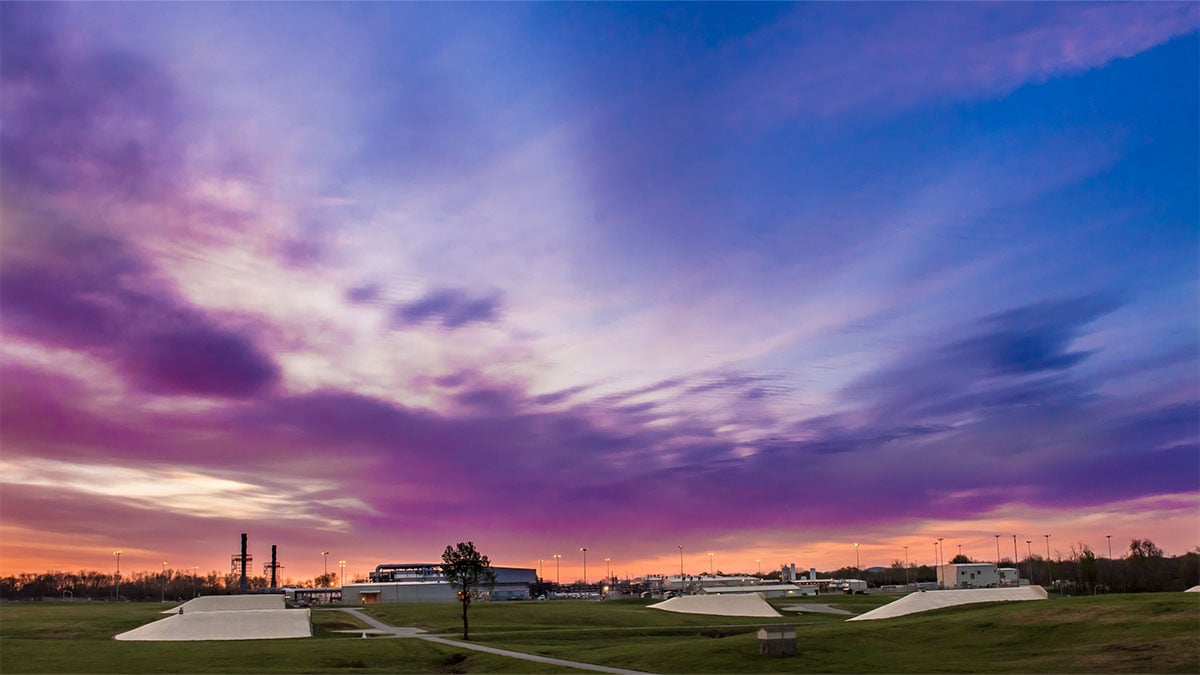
x=466, y=568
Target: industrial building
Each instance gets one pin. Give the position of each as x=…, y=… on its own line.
x=968, y=575
x=766, y=590
x=423, y=582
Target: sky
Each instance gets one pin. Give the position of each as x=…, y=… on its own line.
x=764, y=281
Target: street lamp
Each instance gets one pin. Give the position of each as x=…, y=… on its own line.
x=1049, y=569
x=1029, y=555
x=1016, y=557
x=341, y=573
x=557, y=575
x=857, y=560
x=584, y=549
x=194, y=568
x=325, y=557
x=681, y=564
x=608, y=569
x=759, y=561
x=541, y=577
x=164, y=586
x=1109, y=538
x=710, y=563
x=997, y=550
x=118, y=553
x=941, y=551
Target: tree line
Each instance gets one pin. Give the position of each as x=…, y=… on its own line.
x=139, y=585
x=1144, y=568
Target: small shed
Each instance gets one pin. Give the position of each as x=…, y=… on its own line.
x=778, y=640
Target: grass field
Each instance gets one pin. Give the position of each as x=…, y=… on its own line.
x=1151, y=633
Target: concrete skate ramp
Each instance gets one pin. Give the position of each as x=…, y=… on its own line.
x=1193, y=589
x=750, y=604
x=248, y=624
x=229, y=603
x=914, y=603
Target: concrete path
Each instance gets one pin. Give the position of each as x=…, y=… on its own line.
x=420, y=634
x=814, y=607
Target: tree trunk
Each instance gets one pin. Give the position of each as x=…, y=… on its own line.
x=465, y=604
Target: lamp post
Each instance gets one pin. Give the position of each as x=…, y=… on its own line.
x=1049, y=569
x=960, y=549
x=325, y=557
x=164, y=585
x=710, y=563
x=194, y=568
x=759, y=561
x=1029, y=555
x=681, y=564
x=997, y=550
x=1109, y=538
x=857, y=560
x=118, y=553
x=341, y=573
x=607, y=569
x=906, y=568
x=557, y=575
x=1016, y=557
x=584, y=549
x=541, y=577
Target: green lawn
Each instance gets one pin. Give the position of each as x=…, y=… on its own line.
x=78, y=638
x=1150, y=633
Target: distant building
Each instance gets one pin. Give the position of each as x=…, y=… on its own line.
x=767, y=590
x=423, y=582
x=968, y=575
x=1009, y=576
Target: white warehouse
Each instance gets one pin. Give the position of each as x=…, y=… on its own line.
x=968, y=575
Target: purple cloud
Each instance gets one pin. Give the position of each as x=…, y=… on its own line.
x=451, y=307
x=93, y=293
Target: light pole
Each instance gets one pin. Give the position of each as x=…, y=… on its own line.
x=1029, y=554
x=1109, y=538
x=906, y=568
x=541, y=577
x=997, y=550
x=1049, y=569
x=960, y=549
x=710, y=563
x=557, y=575
x=607, y=569
x=1016, y=557
x=118, y=553
x=194, y=568
x=857, y=560
x=164, y=586
x=584, y=549
x=681, y=564
x=941, y=551
x=759, y=561
x=341, y=573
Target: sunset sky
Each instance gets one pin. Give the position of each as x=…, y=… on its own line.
x=756, y=280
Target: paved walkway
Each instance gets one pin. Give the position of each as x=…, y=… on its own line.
x=406, y=632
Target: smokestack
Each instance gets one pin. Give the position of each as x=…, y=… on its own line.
x=244, y=584
x=273, y=567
